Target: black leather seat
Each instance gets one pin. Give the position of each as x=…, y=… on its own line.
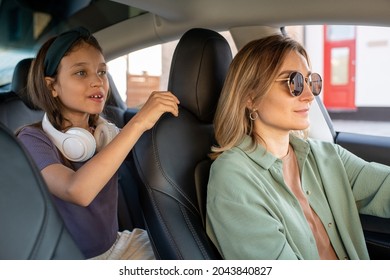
x=16, y=110
x=171, y=158
x=30, y=225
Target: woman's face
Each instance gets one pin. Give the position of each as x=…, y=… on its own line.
x=279, y=112
x=82, y=83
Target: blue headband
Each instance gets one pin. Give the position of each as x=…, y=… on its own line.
x=60, y=46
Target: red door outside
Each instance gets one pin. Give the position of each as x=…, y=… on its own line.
x=339, y=67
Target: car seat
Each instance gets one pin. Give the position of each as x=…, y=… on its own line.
x=172, y=157
x=16, y=109
x=31, y=228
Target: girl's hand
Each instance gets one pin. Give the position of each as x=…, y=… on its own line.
x=158, y=103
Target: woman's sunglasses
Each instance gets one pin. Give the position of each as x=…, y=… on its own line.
x=296, y=83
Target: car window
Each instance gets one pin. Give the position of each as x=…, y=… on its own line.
x=137, y=74
x=352, y=61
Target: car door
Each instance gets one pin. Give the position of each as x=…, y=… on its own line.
x=373, y=149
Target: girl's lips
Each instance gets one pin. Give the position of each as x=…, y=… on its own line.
x=97, y=97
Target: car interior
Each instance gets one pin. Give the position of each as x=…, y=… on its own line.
x=15, y=107
x=163, y=181
x=47, y=237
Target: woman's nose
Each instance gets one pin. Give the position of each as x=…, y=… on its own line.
x=307, y=93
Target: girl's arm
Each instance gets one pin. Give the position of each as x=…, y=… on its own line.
x=82, y=186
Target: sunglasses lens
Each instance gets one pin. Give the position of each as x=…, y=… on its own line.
x=315, y=83
x=297, y=82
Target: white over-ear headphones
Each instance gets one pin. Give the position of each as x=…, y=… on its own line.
x=78, y=144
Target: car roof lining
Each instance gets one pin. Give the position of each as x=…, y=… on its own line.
x=166, y=20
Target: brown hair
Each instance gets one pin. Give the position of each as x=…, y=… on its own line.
x=40, y=93
x=250, y=77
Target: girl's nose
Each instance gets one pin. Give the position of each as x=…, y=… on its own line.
x=97, y=82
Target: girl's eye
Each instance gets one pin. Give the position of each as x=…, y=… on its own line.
x=102, y=72
x=81, y=73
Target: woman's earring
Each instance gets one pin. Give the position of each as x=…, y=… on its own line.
x=253, y=115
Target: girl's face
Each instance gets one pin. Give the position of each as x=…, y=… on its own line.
x=82, y=83
x=279, y=112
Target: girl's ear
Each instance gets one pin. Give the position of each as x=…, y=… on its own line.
x=50, y=86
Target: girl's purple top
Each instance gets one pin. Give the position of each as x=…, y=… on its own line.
x=94, y=228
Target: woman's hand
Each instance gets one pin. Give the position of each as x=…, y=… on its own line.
x=158, y=103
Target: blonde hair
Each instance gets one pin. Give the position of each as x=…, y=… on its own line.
x=250, y=77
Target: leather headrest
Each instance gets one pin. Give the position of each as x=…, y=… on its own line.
x=198, y=71
x=19, y=81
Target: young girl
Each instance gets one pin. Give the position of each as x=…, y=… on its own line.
x=77, y=151
x=271, y=194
